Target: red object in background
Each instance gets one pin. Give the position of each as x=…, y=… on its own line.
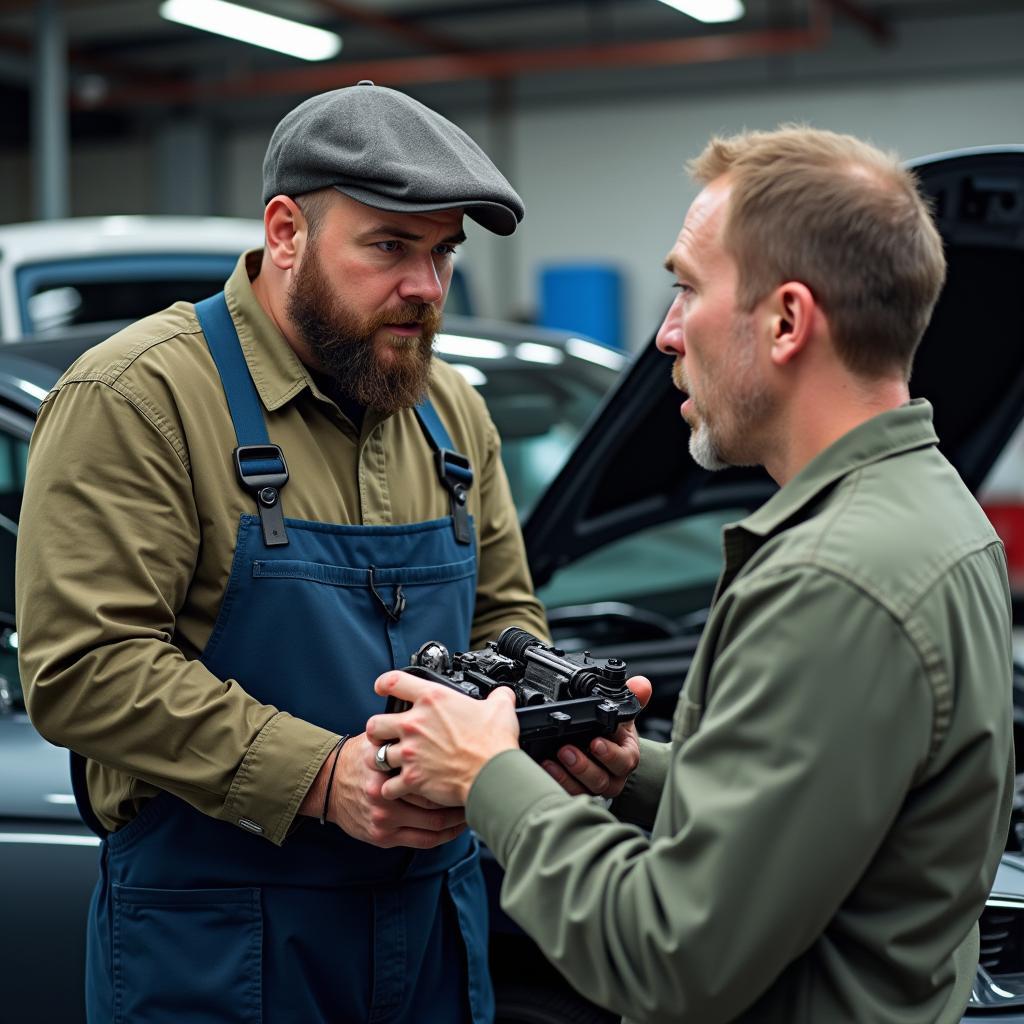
x=1008, y=519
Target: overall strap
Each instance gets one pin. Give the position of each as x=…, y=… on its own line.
x=259, y=465
x=453, y=469
x=80, y=789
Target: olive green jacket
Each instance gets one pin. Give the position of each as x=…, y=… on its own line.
x=828, y=816
x=128, y=531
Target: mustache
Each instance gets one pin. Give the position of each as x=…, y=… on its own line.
x=679, y=376
x=410, y=313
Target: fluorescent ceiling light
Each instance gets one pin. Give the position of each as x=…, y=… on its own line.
x=709, y=10
x=471, y=348
x=253, y=27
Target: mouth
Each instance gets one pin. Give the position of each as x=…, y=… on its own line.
x=406, y=330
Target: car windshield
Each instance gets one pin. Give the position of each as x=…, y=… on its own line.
x=55, y=295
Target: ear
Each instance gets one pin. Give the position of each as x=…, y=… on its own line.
x=792, y=311
x=286, y=232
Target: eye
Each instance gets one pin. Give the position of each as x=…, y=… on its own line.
x=683, y=288
x=391, y=245
x=445, y=249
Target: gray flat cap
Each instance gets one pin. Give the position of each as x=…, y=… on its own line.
x=389, y=151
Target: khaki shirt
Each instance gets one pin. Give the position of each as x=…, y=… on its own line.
x=128, y=530
x=829, y=814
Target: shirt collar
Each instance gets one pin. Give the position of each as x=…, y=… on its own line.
x=277, y=372
x=889, y=433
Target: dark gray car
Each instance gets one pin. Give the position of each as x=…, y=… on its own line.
x=624, y=546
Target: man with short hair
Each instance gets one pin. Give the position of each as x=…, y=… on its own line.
x=828, y=816
x=237, y=515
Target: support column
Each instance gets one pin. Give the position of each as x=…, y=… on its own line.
x=185, y=165
x=50, y=117
x=502, y=151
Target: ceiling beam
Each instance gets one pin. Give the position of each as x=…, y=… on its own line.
x=877, y=27
x=497, y=64
x=399, y=27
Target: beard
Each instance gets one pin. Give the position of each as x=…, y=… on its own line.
x=731, y=413
x=387, y=377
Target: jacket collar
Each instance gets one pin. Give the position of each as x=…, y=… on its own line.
x=889, y=433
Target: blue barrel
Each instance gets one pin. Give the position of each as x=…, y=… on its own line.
x=583, y=297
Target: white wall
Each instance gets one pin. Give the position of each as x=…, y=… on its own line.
x=604, y=181
x=607, y=182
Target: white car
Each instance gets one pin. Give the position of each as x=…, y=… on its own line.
x=59, y=275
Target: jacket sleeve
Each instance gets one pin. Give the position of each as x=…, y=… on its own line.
x=817, y=721
x=108, y=542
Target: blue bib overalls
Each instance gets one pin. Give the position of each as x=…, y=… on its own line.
x=197, y=921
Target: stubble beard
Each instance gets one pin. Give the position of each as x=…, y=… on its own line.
x=346, y=349
x=729, y=417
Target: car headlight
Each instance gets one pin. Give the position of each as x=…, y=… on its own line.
x=1000, y=980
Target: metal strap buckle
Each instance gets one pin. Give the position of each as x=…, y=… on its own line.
x=262, y=471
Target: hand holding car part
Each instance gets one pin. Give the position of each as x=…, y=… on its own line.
x=602, y=770
x=559, y=697
x=443, y=739
x=356, y=805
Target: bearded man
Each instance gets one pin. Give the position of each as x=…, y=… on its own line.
x=234, y=521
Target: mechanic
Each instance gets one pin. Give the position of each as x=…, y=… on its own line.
x=237, y=515
x=828, y=815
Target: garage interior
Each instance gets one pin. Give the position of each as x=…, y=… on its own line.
x=590, y=106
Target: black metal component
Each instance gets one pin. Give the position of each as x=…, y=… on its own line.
x=394, y=611
x=456, y=477
x=560, y=698
x=264, y=484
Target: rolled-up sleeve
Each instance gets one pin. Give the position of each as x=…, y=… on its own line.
x=771, y=811
x=108, y=544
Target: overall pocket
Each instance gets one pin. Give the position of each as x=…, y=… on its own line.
x=187, y=955
x=469, y=895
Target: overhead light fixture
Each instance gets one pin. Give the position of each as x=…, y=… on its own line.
x=709, y=10
x=255, y=27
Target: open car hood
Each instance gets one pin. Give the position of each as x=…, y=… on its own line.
x=631, y=467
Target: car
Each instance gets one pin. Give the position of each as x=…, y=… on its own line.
x=624, y=545
x=61, y=274
x=47, y=856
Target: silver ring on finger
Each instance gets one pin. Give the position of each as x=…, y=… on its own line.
x=380, y=759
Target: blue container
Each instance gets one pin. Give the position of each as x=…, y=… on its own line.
x=585, y=298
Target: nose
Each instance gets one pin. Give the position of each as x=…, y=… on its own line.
x=669, y=338
x=422, y=283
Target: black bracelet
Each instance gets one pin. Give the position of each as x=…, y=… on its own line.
x=330, y=778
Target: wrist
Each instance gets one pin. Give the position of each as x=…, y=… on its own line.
x=476, y=763
x=318, y=795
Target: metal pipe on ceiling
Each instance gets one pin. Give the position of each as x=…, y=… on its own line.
x=497, y=64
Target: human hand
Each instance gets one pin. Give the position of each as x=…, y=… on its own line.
x=445, y=738
x=611, y=761
x=357, y=806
